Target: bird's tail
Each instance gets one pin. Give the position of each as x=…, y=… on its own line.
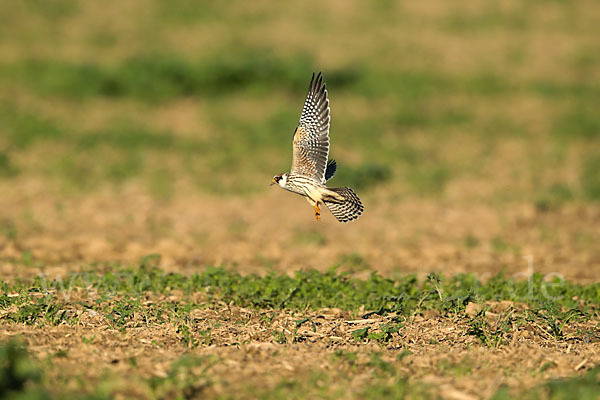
x=346, y=210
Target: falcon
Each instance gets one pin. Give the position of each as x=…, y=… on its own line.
x=310, y=168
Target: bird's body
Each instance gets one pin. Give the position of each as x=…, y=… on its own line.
x=310, y=168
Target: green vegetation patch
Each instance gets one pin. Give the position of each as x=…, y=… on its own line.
x=119, y=294
x=158, y=77
x=25, y=128
x=586, y=387
x=582, y=121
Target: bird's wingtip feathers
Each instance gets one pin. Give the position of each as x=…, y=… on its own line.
x=316, y=83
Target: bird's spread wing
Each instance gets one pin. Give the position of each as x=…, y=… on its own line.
x=311, y=138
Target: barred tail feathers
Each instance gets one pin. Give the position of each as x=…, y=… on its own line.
x=348, y=210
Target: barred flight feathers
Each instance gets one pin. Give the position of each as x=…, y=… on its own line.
x=310, y=168
x=348, y=210
x=311, y=138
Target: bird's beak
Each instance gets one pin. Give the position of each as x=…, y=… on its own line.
x=272, y=182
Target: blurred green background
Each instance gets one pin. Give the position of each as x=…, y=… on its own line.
x=483, y=100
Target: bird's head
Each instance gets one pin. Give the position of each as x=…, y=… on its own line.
x=280, y=179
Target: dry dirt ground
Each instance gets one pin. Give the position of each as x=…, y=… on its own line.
x=274, y=231
x=243, y=359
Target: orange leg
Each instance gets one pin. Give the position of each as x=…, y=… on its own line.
x=317, y=212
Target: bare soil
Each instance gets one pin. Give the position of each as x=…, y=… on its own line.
x=275, y=231
x=244, y=357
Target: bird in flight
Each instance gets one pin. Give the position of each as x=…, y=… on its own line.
x=310, y=168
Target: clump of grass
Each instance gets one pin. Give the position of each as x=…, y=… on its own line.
x=385, y=332
x=491, y=334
